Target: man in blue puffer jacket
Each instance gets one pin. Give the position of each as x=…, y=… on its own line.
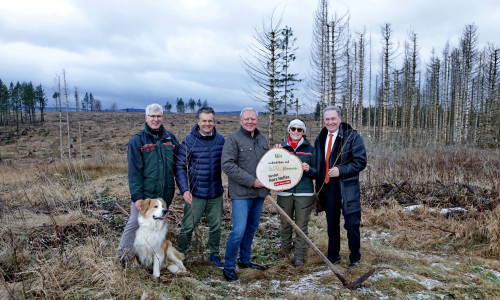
x=198, y=174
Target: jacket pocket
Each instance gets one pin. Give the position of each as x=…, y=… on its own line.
x=351, y=195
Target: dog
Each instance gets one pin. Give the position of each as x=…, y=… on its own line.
x=151, y=247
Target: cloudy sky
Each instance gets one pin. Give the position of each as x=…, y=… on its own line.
x=136, y=52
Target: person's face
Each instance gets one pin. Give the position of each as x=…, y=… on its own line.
x=332, y=120
x=296, y=132
x=249, y=120
x=206, y=123
x=154, y=119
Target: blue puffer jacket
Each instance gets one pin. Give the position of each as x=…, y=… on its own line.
x=200, y=156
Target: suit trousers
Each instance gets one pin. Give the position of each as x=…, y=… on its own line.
x=351, y=223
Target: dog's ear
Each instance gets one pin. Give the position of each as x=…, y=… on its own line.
x=163, y=202
x=144, y=204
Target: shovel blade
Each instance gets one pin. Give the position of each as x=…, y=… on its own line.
x=355, y=284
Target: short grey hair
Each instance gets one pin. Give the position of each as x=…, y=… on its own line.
x=248, y=109
x=331, y=107
x=154, y=107
x=206, y=110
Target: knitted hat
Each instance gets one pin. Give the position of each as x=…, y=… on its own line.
x=296, y=122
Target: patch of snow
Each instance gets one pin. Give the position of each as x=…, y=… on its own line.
x=423, y=296
x=440, y=266
x=452, y=210
x=495, y=272
x=386, y=273
x=374, y=236
x=413, y=208
x=429, y=283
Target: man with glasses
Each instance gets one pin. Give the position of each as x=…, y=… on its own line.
x=151, y=156
x=200, y=182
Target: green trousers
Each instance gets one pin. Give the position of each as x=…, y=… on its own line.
x=302, y=207
x=212, y=208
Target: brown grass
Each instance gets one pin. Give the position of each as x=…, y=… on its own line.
x=60, y=224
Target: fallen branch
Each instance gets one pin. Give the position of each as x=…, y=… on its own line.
x=395, y=187
x=445, y=230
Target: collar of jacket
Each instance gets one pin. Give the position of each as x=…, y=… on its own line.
x=195, y=130
x=161, y=133
x=256, y=132
x=303, y=142
x=343, y=128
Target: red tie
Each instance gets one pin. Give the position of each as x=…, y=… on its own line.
x=328, y=152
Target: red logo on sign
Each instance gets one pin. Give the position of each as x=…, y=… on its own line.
x=282, y=182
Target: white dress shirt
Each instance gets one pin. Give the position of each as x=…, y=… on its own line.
x=328, y=140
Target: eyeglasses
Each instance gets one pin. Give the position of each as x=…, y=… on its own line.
x=155, y=116
x=293, y=129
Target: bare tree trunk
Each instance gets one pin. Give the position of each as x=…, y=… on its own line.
x=361, y=77
x=60, y=116
x=396, y=101
x=67, y=112
x=386, y=32
x=370, y=88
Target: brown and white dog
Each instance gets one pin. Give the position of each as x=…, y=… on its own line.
x=150, y=245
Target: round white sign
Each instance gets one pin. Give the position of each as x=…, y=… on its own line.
x=279, y=169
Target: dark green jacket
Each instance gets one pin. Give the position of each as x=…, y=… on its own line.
x=306, y=154
x=151, y=164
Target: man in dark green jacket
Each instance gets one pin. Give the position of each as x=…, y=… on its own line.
x=151, y=156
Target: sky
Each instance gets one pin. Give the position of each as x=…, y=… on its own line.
x=136, y=52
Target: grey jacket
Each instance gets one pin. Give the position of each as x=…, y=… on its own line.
x=240, y=156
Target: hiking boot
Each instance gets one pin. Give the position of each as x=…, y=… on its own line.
x=354, y=263
x=250, y=265
x=298, y=262
x=283, y=254
x=230, y=274
x=335, y=260
x=216, y=260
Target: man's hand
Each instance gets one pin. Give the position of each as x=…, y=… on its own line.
x=188, y=197
x=138, y=204
x=334, y=172
x=305, y=167
x=257, y=184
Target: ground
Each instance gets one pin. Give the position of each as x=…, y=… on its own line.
x=430, y=227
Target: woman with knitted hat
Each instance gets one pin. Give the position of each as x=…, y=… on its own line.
x=298, y=200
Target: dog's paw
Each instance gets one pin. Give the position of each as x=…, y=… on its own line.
x=175, y=269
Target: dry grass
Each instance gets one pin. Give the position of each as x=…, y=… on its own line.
x=60, y=225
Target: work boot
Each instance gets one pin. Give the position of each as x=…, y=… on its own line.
x=216, y=260
x=230, y=274
x=250, y=265
x=283, y=254
x=335, y=260
x=298, y=262
x=354, y=263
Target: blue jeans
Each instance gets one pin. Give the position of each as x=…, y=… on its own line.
x=246, y=219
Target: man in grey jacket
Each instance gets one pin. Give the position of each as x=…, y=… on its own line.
x=241, y=153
